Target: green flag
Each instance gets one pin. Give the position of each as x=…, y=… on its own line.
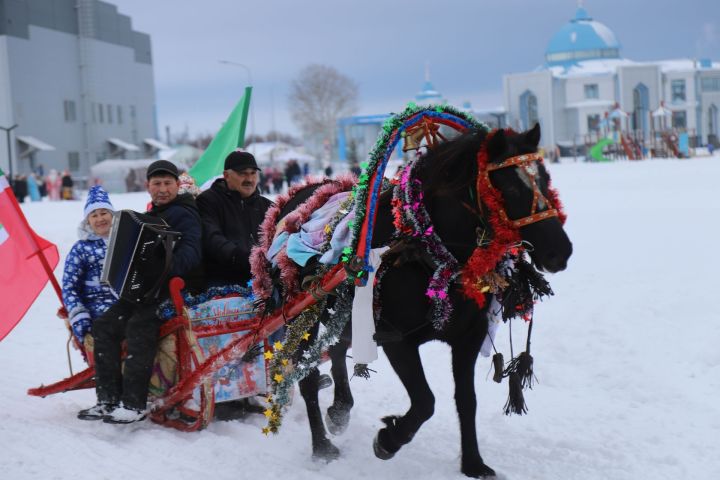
x=230, y=137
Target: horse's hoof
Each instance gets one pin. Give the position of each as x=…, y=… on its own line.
x=324, y=381
x=478, y=470
x=337, y=420
x=381, y=452
x=325, y=451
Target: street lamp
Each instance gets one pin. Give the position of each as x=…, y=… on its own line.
x=10, y=165
x=250, y=82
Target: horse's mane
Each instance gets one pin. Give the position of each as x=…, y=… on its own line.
x=452, y=165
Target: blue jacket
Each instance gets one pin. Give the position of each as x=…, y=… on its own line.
x=81, y=288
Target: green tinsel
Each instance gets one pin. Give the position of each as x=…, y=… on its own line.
x=281, y=363
x=311, y=357
x=379, y=155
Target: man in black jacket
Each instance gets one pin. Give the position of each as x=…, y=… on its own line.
x=232, y=210
x=122, y=393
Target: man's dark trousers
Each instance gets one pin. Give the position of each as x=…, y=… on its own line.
x=138, y=324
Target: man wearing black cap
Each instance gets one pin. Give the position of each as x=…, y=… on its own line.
x=232, y=210
x=122, y=391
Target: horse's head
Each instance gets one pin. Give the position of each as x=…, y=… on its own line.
x=528, y=202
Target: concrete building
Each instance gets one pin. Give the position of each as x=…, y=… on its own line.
x=78, y=82
x=585, y=78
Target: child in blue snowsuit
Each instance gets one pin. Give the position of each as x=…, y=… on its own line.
x=84, y=297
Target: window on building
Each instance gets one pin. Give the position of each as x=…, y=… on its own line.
x=70, y=112
x=710, y=84
x=101, y=113
x=677, y=91
x=73, y=161
x=641, y=108
x=132, y=111
x=592, y=91
x=593, y=123
x=119, y=115
x=679, y=119
x=109, y=113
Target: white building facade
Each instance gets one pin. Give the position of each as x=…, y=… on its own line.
x=584, y=78
x=77, y=81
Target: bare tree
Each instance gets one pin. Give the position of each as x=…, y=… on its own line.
x=318, y=97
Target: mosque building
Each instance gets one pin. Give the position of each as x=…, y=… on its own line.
x=585, y=84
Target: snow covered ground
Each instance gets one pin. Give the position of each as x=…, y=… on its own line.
x=626, y=353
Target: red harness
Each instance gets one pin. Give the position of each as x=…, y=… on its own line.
x=523, y=162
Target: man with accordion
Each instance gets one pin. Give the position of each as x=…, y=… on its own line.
x=161, y=244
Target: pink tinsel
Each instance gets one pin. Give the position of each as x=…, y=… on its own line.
x=260, y=266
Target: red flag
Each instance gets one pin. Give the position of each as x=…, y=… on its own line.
x=22, y=273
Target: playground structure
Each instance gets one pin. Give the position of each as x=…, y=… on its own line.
x=613, y=139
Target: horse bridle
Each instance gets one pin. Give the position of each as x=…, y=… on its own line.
x=524, y=161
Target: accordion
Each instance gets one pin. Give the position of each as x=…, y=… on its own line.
x=139, y=256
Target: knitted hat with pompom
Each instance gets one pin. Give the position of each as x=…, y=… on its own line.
x=97, y=198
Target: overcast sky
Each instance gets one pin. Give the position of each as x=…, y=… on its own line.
x=383, y=45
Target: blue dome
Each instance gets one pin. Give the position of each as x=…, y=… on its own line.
x=581, y=39
x=428, y=94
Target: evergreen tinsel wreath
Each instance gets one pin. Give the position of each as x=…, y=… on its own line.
x=289, y=367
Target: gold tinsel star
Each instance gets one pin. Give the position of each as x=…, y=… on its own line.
x=306, y=336
x=265, y=431
x=268, y=412
x=284, y=361
x=268, y=355
x=278, y=346
x=278, y=378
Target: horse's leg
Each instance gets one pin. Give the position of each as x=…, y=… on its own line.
x=322, y=447
x=464, y=357
x=338, y=414
x=405, y=360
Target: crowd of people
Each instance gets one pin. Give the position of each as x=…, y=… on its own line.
x=273, y=179
x=218, y=229
x=36, y=185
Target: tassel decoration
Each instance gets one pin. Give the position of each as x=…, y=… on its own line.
x=525, y=286
x=522, y=365
x=362, y=370
x=498, y=364
x=516, y=400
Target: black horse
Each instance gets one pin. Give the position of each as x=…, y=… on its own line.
x=449, y=174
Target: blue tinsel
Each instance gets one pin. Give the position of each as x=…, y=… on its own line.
x=166, y=311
